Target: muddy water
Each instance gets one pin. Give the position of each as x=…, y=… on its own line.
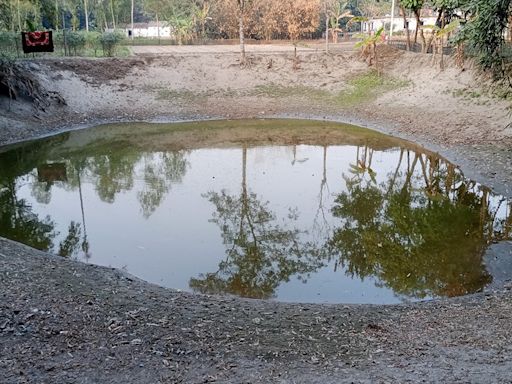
x=286, y=210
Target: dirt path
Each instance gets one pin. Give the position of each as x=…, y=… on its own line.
x=62, y=321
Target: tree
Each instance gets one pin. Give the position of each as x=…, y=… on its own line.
x=415, y=6
x=338, y=11
x=406, y=24
x=485, y=33
x=438, y=37
x=301, y=17
x=202, y=15
x=241, y=12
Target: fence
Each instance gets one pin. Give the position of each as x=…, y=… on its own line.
x=66, y=43
x=418, y=48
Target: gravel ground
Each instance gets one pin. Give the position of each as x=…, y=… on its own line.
x=87, y=324
x=62, y=321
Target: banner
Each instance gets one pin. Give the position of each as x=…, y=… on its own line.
x=37, y=41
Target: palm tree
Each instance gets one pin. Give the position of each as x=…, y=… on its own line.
x=338, y=12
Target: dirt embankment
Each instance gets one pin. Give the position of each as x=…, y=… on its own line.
x=61, y=321
x=452, y=110
x=446, y=107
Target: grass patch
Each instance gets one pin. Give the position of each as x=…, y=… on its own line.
x=189, y=96
x=361, y=89
x=484, y=95
x=367, y=87
x=180, y=94
x=280, y=91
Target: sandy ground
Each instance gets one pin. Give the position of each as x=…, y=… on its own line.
x=61, y=321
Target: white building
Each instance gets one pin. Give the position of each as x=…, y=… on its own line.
x=152, y=29
x=398, y=23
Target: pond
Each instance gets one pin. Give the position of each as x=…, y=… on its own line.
x=296, y=211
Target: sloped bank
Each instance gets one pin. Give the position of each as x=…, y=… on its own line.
x=62, y=321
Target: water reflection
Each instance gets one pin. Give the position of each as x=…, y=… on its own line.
x=422, y=232
x=261, y=252
x=366, y=215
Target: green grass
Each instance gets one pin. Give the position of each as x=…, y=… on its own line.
x=280, y=91
x=367, y=87
x=361, y=89
x=483, y=96
x=179, y=94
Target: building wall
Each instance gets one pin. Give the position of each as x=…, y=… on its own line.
x=151, y=31
x=398, y=24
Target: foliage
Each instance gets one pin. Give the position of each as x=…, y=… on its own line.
x=485, y=33
x=369, y=46
x=366, y=87
x=110, y=42
x=413, y=5
x=76, y=42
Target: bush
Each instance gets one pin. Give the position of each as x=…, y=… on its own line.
x=110, y=41
x=92, y=41
x=10, y=43
x=75, y=42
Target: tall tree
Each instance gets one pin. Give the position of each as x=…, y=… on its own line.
x=241, y=13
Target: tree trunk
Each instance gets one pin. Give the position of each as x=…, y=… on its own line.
x=86, y=13
x=241, y=32
x=418, y=22
x=406, y=26
x=157, y=27
x=376, y=59
x=326, y=30
x=442, y=44
x=19, y=17
x=133, y=7
x=112, y=12
x=56, y=15
x=422, y=35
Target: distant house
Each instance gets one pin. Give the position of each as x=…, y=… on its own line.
x=373, y=25
x=152, y=29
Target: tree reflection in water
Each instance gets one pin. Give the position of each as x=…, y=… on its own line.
x=110, y=170
x=261, y=253
x=423, y=232
x=418, y=227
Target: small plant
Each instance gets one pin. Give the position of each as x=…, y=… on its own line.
x=439, y=35
x=92, y=42
x=109, y=42
x=9, y=44
x=75, y=42
x=369, y=45
x=368, y=86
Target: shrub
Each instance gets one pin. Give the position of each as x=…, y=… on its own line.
x=75, y=42
x=109, y=42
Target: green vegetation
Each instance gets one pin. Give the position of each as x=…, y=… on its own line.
x=280, y=91
x=361, y=89
x=367, y=87
x=481, y=30
x=109, y=42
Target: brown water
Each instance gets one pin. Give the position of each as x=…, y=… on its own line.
x=291, y=210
